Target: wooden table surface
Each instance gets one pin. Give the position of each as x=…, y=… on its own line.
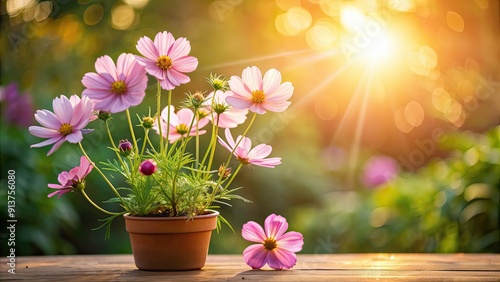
x=340, y=267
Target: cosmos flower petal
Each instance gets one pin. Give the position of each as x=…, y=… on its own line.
x=48, y=141
x=255, y=256
x=281, y=93
x=239, y=103
x=252, y=78
x=180, y=48
x=269, y=162
x=43, y=132
x=276, y=107
x=105, y=64
x=260, y=151
x=74, y=137
x=47, y=119
x=63, y=109
x=271, y=81
x=253, y=232
x=275, y=226
x=55, y=146
x=185, y=64
x=291, y=241
x=147, y=48
x=163, y=41
x=238, y=88
x=279, y=259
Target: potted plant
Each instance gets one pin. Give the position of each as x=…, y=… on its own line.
x=171, y=195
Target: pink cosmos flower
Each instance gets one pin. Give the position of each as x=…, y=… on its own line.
x=224, y=115
x=66, y=123
x=276, y=248
x=18, y=107
x=115, y=88
x=167, y=59
x=244, y=152
x=74, y=180
x=179, y=124
x=258, y=94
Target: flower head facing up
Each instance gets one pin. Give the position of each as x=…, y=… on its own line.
x=223, y=114
x=180, y=123
x=167, y=59
x=260, y=94
x=115, y=88
x=244, y=152
x=276, y=248
x=66, y=123
x=73, y=180
x=148, y=167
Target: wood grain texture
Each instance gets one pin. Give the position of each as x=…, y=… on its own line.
x=338, y=267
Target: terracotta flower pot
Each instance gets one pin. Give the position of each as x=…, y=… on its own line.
x=170, y=243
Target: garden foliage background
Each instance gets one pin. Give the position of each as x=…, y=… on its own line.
x=392, y=142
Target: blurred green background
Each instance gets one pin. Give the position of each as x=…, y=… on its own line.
x=392, y=142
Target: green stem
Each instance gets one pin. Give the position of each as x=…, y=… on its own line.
x=96, y=206
x=213, y=144
x=114, y=146
x=136, y=149
x=102, y=174
x=233, y=176
x=158, y=114
x=197, y=148
x=174, y=179
x=169, y=103
x=146, y=139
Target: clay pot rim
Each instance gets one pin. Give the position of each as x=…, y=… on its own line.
x=169, y=218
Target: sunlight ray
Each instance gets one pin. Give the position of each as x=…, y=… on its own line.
x=257, y=59
x=356, y=144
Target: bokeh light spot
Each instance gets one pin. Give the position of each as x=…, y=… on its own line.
x=93, y=14
x=379, y=216
x=401, y=5
x=414, y=113
x=299, y=18
x=331, y=7
x=15, y=7
x=352, y=18
x=401, y=122
x=138, y=4
x=321, y=35
x=122, y=17
x=441, y=99
x=455, y=21
x=285, y=5
x=43, y=10
x=326, y=108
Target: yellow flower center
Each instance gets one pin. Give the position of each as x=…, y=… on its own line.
x=243, y=160
x=258, y=97
x=119, y=87
x=66, y=129
x=270, y=244
x=164, y=62
x=182, y=129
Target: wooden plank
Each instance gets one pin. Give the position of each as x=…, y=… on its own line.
x=339, y=267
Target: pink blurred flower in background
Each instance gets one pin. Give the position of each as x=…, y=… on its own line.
x=18, y=107
x=115, y=88
x=275, y=247
x=223, y=114
x=258, y=94
x=167, y=59
x=379, y=170
x=66, y=123
x=246, y=154
x=74, y=180
x=179, y=124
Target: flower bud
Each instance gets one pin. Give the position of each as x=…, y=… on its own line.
x=194, y=100
x=104, y=115
x=148, y=167
x=218, y=82
x=125, y=147
x=224, y=172
x=148, y=122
